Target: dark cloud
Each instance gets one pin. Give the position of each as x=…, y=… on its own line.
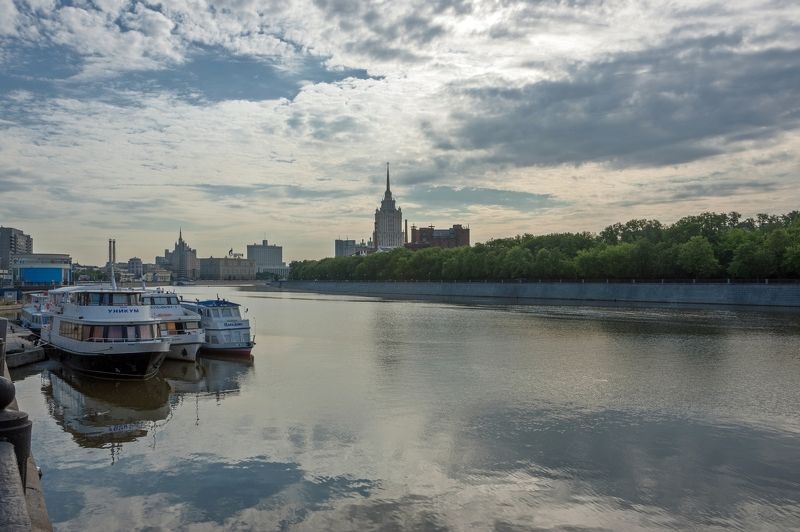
x=676, y=103
x=257, y=190
x=15, y=179
x=713, y=186
x=388, y=35
x=450, y=197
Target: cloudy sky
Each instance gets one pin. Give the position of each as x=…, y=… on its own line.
x=238, y=119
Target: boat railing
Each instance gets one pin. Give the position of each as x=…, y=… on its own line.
x=181, y=333
x=101, y=340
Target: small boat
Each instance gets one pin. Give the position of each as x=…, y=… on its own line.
x=104, y=332
x=34, y=311
x=181, y=326
x=227, y=333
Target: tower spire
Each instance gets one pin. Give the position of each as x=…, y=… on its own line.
x=387, y=178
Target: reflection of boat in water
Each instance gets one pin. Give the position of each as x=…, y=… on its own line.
x=100, y=412
x=206, y=376
x=225, y=376
x=184, y=377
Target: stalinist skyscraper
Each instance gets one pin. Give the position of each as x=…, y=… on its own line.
x=388, y=221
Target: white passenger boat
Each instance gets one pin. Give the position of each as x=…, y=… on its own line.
x=105, y=332
x=34, y=312
x=180, y=325
x=227, y=333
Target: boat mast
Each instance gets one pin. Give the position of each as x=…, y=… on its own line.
x=112, y=257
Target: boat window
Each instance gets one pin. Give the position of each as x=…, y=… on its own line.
x=130, y=332
x=192, y=325
x=87, y=333
x=94, y=298
x=235, y=312
x=119, y=299
x=215, y=312
x=114, y=332
x=147, y=332
x=70, y=330
x=174, y=301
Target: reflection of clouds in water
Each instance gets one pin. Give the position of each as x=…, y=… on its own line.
x=205, y=491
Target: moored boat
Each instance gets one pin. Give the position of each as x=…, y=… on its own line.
x=181, y=326
x=104, y=332
x=227, y=333
x=34, y=312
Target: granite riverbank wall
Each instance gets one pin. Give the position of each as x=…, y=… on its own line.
x=784, y=295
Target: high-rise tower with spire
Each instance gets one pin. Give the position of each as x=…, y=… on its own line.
x=388, y=231
x=182, y=261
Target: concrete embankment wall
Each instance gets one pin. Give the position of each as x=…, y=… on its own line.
x=744, y=294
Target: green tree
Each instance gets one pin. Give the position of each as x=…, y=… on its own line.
x=696, y=257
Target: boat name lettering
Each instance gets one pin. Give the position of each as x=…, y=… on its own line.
x=122, y=310
x=232, y=323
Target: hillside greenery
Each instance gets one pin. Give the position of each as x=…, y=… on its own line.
x=708, y=245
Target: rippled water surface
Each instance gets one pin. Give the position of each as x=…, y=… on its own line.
x=363, y=414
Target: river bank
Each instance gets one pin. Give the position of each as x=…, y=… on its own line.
x=785, y=296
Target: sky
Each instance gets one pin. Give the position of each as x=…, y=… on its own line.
x=241, y=120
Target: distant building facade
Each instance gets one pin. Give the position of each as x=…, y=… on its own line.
x=41, y=269
x=227, y=269
x=425, y=237
x=265, y=255
x=157, y=276
x=13, y=242
x=344, y=248
x=135, y=267
x=181, y=261
x=388, y=231
x=364, y=248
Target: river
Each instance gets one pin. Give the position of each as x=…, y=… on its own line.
x=360, y=414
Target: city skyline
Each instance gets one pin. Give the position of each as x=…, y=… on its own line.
x=130, y=120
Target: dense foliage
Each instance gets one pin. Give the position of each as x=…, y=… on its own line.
x=709, y=245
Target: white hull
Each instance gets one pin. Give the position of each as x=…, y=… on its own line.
x=184, y=352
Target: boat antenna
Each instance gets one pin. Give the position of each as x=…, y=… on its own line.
x=112, y=256
x=113, y=278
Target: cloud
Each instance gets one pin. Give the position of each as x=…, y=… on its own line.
x=681, y=190
x=685, y=100
x=8, y=18
x=449, y=197
x=557, y=109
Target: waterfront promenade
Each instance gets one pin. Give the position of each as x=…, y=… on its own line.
x=588, y=293
x=21, y=507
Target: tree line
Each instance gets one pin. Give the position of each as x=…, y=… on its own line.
x=704, y=246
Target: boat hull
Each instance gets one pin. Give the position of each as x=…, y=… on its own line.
x=183, y=352
x=128, y=366
x=236, y=351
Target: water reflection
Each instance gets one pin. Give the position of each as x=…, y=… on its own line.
x=367, y=415
x=104, y=414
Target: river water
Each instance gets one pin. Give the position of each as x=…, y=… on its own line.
x=361, y=414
